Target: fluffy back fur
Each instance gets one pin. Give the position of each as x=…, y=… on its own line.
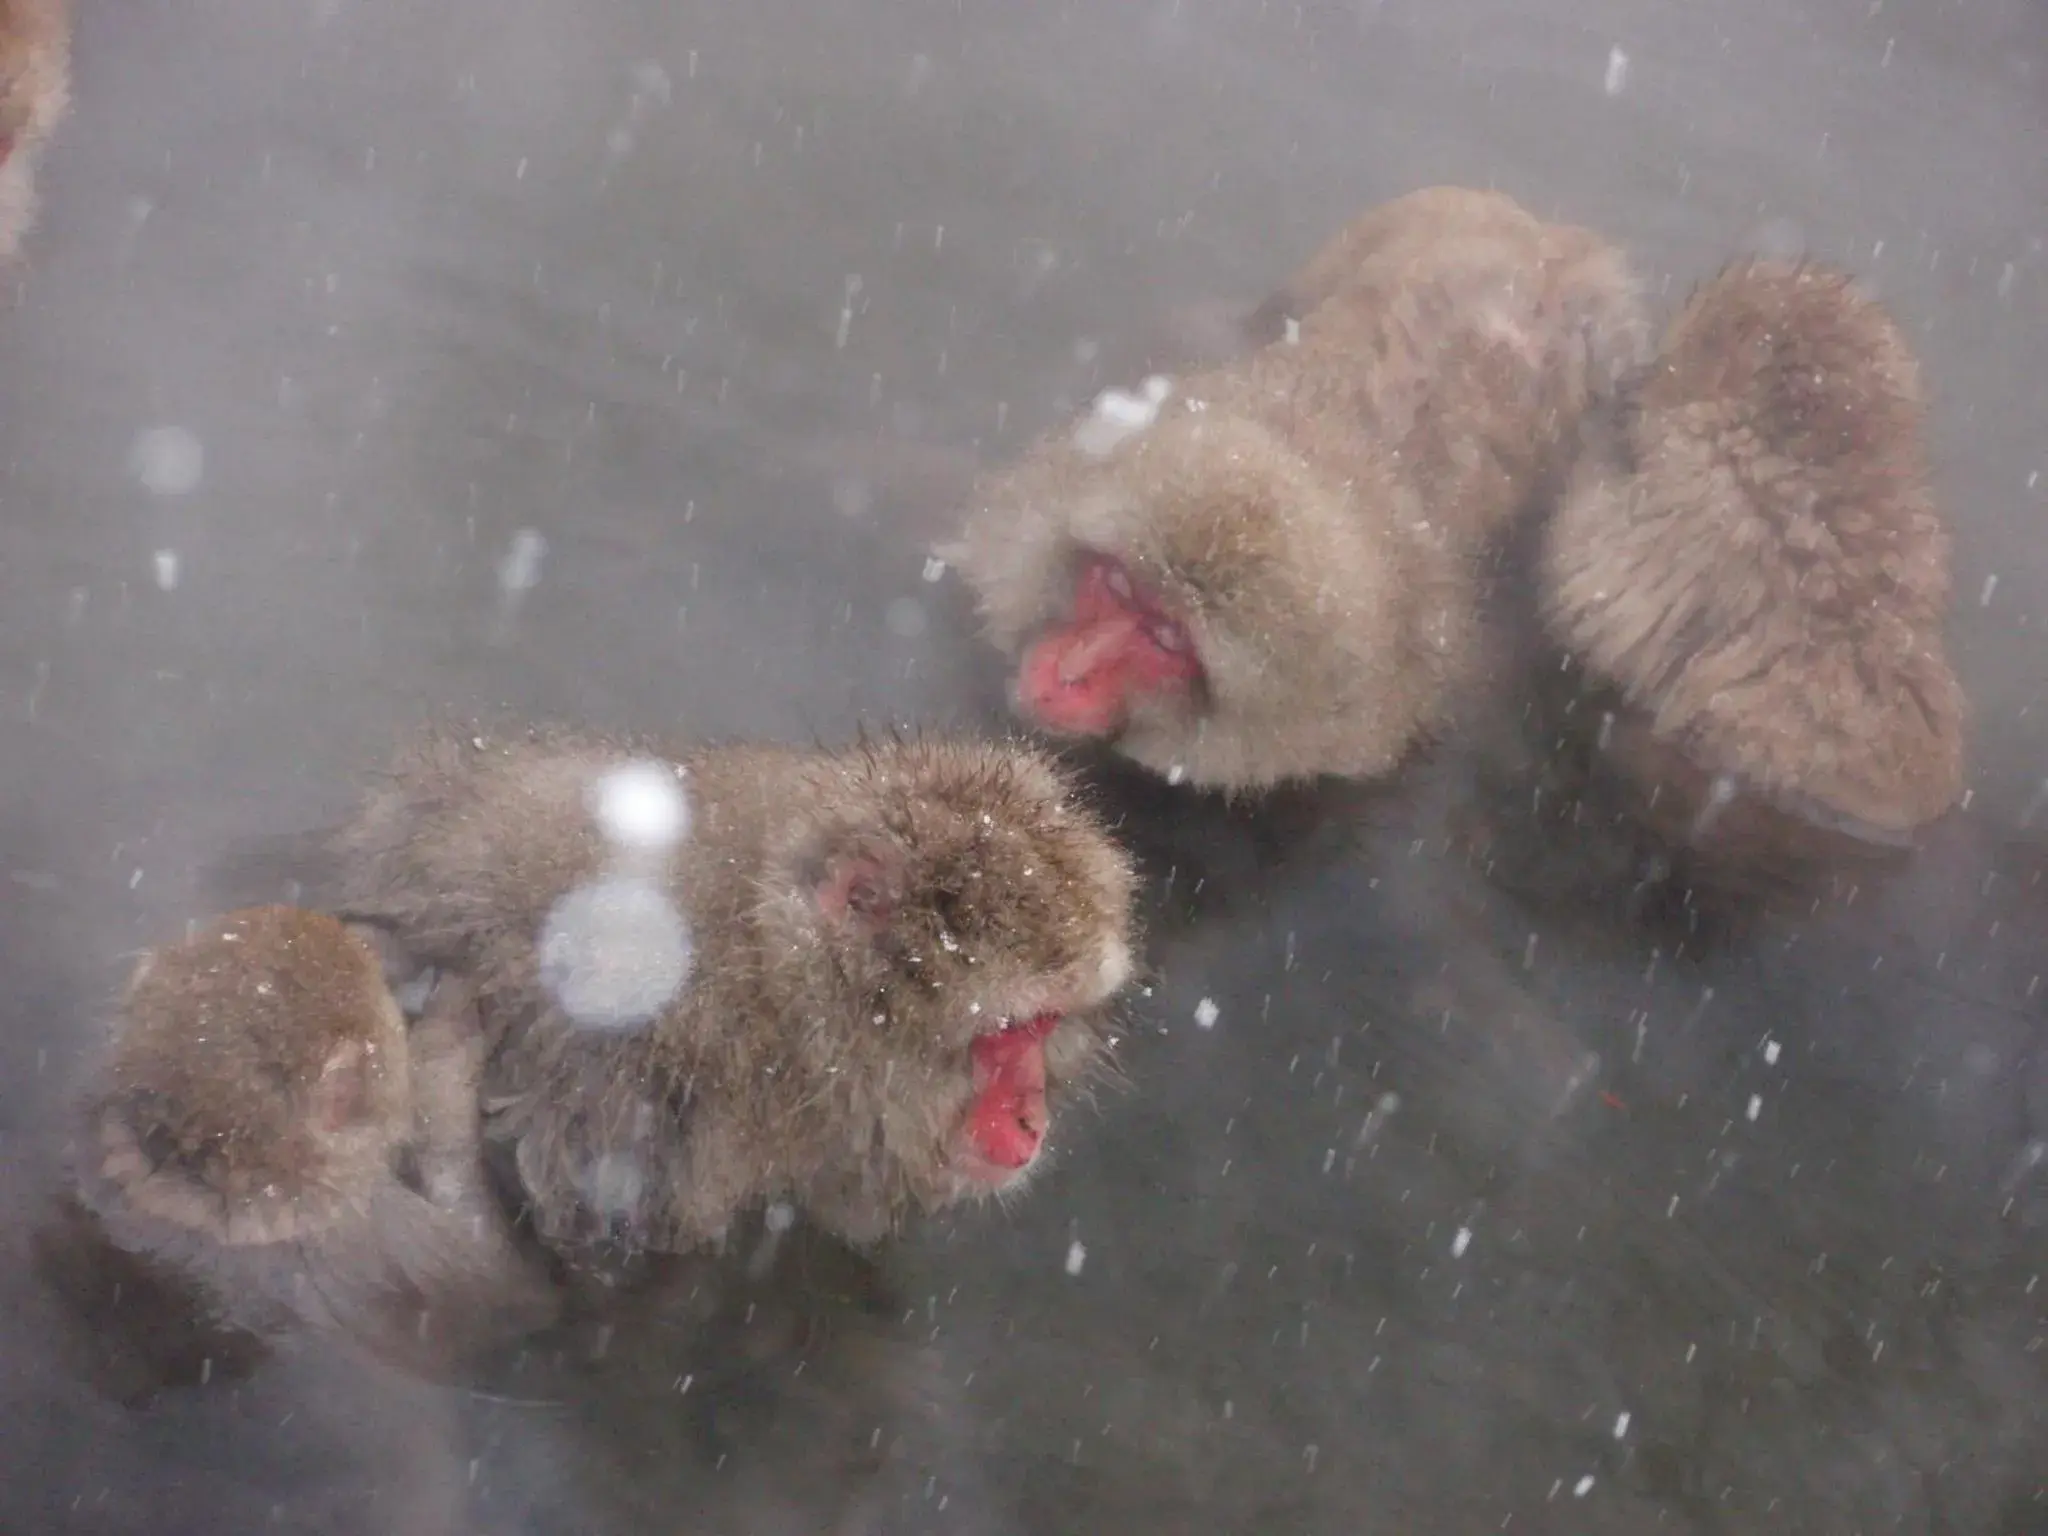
x=1751, y=553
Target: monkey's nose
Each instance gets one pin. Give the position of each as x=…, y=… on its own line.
x=1031, y=1123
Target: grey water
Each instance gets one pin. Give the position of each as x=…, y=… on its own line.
x=608, y=359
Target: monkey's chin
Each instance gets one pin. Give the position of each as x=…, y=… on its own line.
x=976, y=1177
x=1052, y=724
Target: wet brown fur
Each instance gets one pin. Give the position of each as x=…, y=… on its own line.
x=1749, y=560
x=810, y=1059
x=261, y=1110
x=1316, y=512
x=35, y=90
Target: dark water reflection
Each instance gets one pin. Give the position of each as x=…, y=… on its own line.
x=1466, y=1214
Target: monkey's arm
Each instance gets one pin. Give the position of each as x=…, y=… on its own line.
x=447, y=1246
x=604, y=1157
x=447, y=1067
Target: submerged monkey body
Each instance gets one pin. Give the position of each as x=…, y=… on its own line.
x=860, y=919
x=269, y=1131
x=1292, y=550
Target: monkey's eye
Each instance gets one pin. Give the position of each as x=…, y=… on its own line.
x=1171, y=638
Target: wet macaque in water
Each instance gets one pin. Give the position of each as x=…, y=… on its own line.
x=269, y=1133
x=1271, y=570
x=35, y=87
x=854, y=980
x=1749, y=577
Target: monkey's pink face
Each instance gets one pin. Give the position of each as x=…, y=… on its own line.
x=1003, y=1130
x=1120, y=647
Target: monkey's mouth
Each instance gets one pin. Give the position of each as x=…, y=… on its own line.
x=1005, y=1125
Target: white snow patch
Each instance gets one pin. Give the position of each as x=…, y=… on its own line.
x=1621, y=1425
x=1077, y=1256
x=1583, y=1486
x=1207, y=1013
x=1756, y=1105
x=1460, y=1241
x=934, y=569
x=165, y=564
x=167, y=460
x=1771, y=1049
x=1119, y=414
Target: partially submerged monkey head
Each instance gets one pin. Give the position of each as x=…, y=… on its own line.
x=1271, y=572
x=1750, y=558
x=261, y=1078
x=35, y=88
x=963, y=922
x=1209, y=601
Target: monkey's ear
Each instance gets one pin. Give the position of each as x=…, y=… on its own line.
x=341, y=1098
x=861, y=887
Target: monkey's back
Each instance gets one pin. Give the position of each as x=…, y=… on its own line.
x=1456, y=330
x=1751, y=552
x=466, y=849
x=471, y=841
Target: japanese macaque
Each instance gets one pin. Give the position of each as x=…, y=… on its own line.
x=854, y=980
x=35, y=88
x=1271, y=570
x=270, y=1134
x=1748, y=576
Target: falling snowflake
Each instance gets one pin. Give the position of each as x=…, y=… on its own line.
x=167, y=460
x=615, y=952
x=642, y=806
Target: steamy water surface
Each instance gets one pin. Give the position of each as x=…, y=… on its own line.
x=612, y=360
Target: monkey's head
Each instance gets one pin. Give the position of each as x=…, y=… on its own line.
x=953, y=925
x=1750, y=553
x=1204, y=599
x=260, y=1076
